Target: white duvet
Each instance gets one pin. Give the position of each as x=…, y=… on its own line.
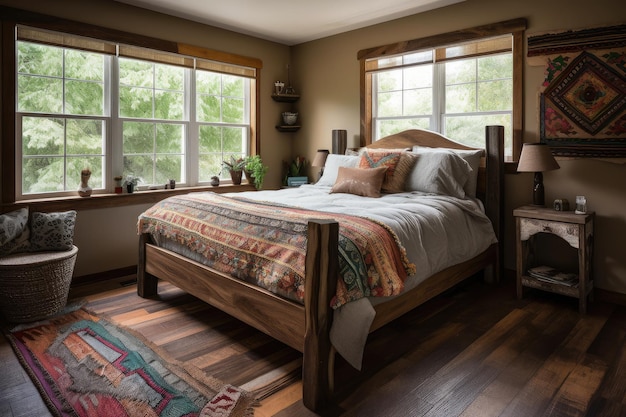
x=437, y=232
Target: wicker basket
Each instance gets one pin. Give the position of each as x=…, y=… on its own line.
x=36, y=285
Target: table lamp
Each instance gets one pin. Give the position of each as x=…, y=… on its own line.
x=320, y=160
x=537, y=158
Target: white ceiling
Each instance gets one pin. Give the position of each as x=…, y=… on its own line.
x=290, y=22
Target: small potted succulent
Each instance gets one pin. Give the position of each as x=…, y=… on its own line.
x=235, y=167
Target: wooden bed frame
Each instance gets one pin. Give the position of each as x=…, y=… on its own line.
x=307, y=327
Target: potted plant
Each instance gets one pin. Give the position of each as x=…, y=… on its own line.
x=255, y=170
x=131, y=182
x=235, y=167
x=296, y=170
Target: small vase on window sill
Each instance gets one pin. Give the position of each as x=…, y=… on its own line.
x=85, y=190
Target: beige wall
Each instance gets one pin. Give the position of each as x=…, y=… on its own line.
x=328, y=73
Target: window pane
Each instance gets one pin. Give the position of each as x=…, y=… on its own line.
x=389, y=127
x=135, y=73
x=210, y=165
x=232, y=86
x=38, y=59
x=76, y=165
x=168, y=167
x=169, y=77
x=135, y=102
x=84, y=98
x=85, y=137
x=389, y=80
x=209, y=109
x=389, y=104
x=210, y=139
x=42, y=175
x=168, y=105
x=418, y=102
x=138, y=137
x=461, y=98
x=470, y=129
x=233, y=110
x=233, y=139
x=461, y=71
x=495, y=95
x=43, y=136
x=208, y=83
x=418, y=77
x=36, y=94
x=140, y=166
x=495, y=67
x=81, y=65
x=169, y=138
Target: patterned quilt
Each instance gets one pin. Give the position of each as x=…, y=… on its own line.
x=265, y=244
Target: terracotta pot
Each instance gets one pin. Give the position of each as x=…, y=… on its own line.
x=236, y=177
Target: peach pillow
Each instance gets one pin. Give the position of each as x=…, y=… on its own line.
x=359, y=181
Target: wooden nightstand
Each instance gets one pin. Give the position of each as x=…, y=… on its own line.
x=575, y=229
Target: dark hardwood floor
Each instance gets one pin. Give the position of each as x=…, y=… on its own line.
x=474, y=351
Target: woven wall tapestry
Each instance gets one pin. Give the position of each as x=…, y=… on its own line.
x=583, y=97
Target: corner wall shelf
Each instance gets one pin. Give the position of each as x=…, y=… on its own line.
x=286, y=98
x=287, y=128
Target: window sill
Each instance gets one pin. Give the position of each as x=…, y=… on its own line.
x=99, y=201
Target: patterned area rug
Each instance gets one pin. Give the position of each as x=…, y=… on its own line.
x=86, y=366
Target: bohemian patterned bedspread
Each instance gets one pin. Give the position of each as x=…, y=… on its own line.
x=264, y=243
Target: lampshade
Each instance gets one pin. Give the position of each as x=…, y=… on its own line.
x=536, y=157
x=320, y=158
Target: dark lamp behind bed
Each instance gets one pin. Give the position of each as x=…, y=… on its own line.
x=320, y=160
x=537, y=158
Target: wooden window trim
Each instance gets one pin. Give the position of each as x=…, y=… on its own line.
x=514, y=27
x=12, y=17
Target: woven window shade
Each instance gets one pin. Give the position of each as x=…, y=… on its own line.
x=472, y=49
x=155, y=56
x=61, y=39
x=225, y=68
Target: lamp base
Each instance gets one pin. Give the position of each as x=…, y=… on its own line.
x=538, y=191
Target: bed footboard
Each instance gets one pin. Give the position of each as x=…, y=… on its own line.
x=305, y=328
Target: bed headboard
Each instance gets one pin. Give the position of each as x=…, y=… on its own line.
x=490, y=185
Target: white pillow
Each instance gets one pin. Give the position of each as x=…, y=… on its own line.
x=439, y=172
x=333, y=162
x=472, y=156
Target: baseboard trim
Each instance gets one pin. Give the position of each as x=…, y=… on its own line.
x=104, y=276
x=610, y=296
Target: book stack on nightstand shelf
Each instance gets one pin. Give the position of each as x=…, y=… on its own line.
x=576, y=230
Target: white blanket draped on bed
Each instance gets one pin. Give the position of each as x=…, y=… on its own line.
x=437, y=232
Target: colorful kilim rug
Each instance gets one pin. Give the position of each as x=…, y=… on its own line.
x=86, y=366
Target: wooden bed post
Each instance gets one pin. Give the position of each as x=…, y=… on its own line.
x=146, y=283
x=494, y=197
x=322, y=268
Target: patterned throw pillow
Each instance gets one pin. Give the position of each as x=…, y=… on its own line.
x=375, y=158
x=52, y=231
x=12, y=225
x=359, y=181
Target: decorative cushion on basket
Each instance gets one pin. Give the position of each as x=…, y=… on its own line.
x=13, y=231
x=52, y=231
x=12, y=225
